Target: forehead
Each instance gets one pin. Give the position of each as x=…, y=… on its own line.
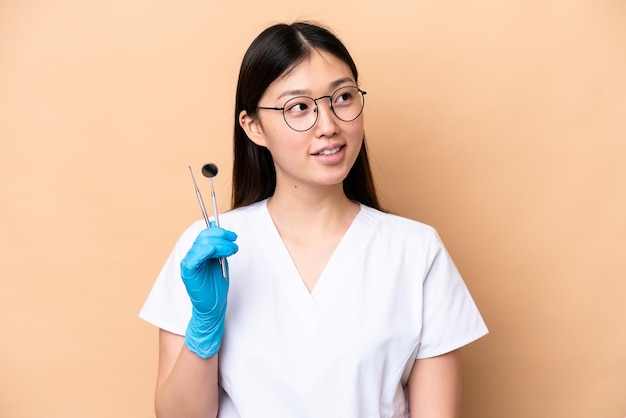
x=319, y=72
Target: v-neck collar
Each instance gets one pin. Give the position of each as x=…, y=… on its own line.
x=334, y=273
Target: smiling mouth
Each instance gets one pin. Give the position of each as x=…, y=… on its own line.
x=330, y=151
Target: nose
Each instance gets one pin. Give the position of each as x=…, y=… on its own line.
x=326, y=124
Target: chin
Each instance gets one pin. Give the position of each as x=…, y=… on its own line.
x=334, y=180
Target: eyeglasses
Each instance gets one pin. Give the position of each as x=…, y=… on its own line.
x=301, y=112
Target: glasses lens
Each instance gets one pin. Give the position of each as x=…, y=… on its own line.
x=300, y=113
x=347, y=103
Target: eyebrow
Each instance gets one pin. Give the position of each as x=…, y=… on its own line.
x=301, y=92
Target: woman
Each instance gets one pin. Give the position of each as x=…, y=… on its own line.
x=335, y=308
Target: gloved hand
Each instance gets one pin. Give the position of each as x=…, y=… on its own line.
x=207, y=288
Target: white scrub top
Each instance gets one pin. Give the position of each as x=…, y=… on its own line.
x=389, y=294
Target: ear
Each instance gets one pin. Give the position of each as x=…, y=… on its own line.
x=252, y=127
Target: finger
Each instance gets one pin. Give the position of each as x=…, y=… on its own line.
x=225, y=249
x=213, y=247
x=217, y=232
x=203, y=250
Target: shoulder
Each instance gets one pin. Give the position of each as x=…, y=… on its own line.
x=389, y=223
x=235, y=218
x=403, y=236
x=232, y=220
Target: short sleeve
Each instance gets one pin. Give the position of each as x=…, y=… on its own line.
x=168, y=306
x=450, y=316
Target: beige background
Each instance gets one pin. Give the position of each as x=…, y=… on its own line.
x=501, y=123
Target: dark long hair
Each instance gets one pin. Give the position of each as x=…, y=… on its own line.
x=275, y=51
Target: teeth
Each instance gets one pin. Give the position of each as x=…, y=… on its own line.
x=330, y=151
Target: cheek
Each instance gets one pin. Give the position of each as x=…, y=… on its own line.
x=281, y=143
x=273, y=135
x=356, y=130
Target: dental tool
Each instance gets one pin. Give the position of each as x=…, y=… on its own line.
x=209, y=170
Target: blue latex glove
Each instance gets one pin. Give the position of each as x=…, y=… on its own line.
x=207, y=288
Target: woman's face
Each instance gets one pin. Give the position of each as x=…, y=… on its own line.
x=323, y=155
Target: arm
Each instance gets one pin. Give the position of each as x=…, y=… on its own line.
x=187, y=378
x=434, y=387
x=186, y=383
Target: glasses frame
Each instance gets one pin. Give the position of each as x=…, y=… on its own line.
x=330, y=98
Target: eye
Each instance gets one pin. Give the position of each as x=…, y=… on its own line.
x=299, y=105
x=343, y=97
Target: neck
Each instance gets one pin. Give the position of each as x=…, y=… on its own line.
x=320, y=209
